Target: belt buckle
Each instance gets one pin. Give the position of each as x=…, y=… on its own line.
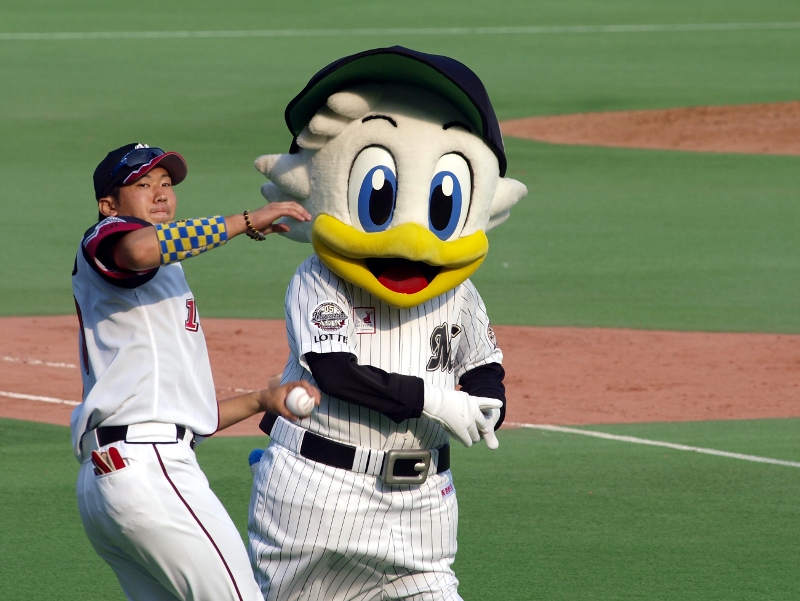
x=423, y=466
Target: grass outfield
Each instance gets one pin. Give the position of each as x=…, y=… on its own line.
x=606, y=237
x=548, y=516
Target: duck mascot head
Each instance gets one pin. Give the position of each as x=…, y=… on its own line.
x=398, y=157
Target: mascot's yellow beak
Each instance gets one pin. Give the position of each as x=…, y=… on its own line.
x=403, y=266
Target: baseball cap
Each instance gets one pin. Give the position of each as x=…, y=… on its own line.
x=442, y=75
x=132, y=161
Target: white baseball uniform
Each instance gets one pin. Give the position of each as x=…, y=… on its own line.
x=318, y=531
x=146, y=374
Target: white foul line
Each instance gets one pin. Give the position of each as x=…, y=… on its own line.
x=313, y=33
x=50, y=399
x=564, y=429
x=39, y=362
x=31, y=397
x=656, y=443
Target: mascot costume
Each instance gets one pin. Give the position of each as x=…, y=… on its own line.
x=398, y=156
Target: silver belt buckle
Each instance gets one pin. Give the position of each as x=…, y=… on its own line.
x=423, y=466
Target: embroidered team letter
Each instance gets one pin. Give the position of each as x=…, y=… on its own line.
x=442, y=356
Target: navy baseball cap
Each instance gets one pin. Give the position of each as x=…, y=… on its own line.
x=128, y=163
x=442, y=75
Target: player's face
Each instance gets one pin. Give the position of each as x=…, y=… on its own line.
x=151, y=198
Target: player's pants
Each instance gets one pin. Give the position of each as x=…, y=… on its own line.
x=162, y=530
x=320, y=532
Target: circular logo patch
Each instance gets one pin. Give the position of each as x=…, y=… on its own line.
x=329, y=317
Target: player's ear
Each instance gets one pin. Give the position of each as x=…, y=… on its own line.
x=108, y=206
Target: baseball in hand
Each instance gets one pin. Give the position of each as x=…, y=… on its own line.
x=299, y=402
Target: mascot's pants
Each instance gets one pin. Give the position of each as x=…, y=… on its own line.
x=321, y=532
x=161, y=528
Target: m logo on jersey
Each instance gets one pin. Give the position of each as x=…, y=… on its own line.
x=441, y=348
x=364, y=320
x=329, y=317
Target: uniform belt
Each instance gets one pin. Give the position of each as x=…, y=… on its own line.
x=146, y=433
x=393, y=466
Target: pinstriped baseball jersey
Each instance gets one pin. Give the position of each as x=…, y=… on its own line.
x=437, y=341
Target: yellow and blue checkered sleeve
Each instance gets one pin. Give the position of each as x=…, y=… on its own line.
x=180, y=240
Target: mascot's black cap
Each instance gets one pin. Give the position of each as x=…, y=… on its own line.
x=442, y=75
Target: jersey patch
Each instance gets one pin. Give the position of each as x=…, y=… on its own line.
x=329, y=317
x=490, y=334
x=447, y=490
x=364, y=320
x=442, y=356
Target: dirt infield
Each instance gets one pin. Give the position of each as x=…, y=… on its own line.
x=554, y=375
x=772, y=128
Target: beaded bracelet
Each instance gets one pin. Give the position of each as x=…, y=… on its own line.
x=252, y=232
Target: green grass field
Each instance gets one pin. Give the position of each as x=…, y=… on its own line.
x=548, y=516
x=606, y=237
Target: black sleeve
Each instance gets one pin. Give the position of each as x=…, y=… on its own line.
x=396, y=396
x=486, y=381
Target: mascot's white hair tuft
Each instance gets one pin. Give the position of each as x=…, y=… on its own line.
x=288, y=173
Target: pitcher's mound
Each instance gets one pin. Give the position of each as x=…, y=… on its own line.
x=772, y=128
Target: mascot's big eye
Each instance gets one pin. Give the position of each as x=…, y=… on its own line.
x=451, y=188
x=372, y=190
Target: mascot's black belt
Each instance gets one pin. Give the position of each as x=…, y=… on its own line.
x=394, y=466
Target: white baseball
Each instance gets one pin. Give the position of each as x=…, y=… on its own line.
x=299, y=402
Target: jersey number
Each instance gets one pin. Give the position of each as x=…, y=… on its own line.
x=191, y=319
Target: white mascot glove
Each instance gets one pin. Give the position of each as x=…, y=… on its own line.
x=492, y=416
x=462, y=415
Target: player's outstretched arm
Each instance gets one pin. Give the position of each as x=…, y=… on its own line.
x=148, y=248
x=263, y=219
x=273, y=400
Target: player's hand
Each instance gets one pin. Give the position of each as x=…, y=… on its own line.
x=263, y=219
x=459, y=413
x=491, y=416
x=235, y=409
x=273, y=399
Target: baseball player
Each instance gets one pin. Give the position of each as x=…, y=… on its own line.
x=357, y=500
x=148, y=393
